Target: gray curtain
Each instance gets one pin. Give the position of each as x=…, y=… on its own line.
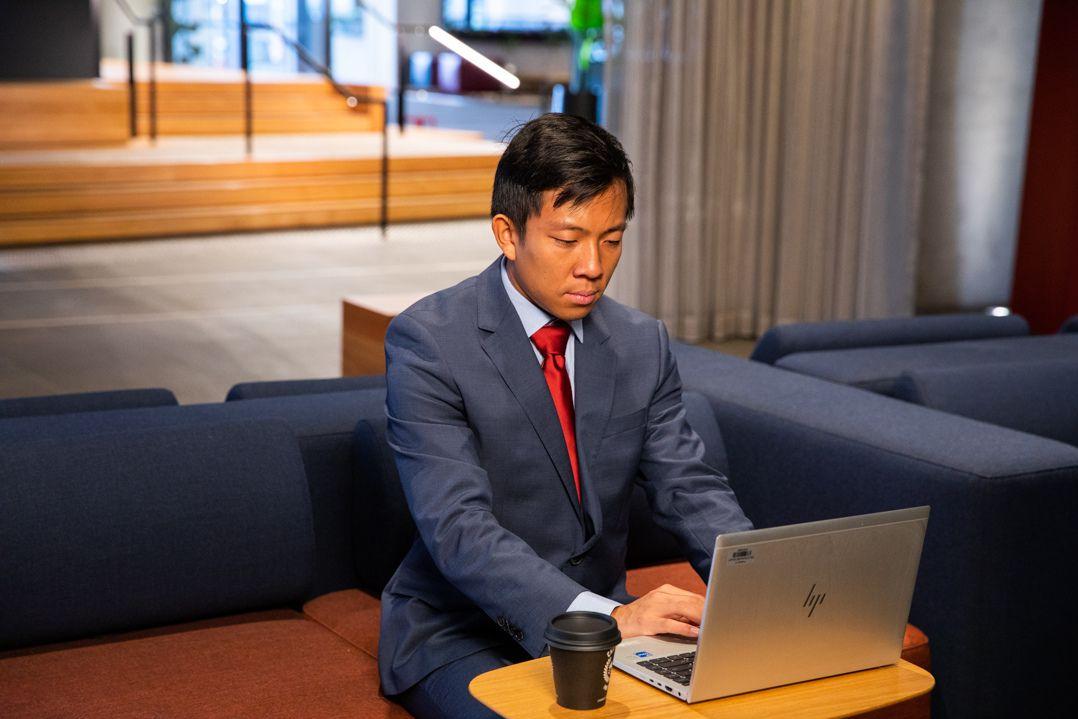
x=777, y=147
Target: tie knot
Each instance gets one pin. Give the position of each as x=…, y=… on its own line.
x=552, y=338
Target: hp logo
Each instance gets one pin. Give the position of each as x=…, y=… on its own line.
x=813, y=600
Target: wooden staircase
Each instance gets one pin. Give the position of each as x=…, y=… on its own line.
x=192, y=107
x=64, y=203
x=195, y=179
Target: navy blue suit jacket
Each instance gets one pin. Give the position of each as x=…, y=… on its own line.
x=504, y=545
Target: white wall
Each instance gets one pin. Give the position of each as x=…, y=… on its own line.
x=984, y=56
x=115, y=26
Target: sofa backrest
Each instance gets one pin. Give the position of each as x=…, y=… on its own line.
x=879, y=369
x=384, y=530
x=85, y=402
x=140, y=527
x=322, y=424
x=789, y=339
x=1039, y=397
x=292, y=387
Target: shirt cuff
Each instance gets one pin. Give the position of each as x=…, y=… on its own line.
x=591, y=602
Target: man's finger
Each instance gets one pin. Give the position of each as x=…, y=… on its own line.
x=672, y=626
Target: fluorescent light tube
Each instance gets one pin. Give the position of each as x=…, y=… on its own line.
x=476, y=58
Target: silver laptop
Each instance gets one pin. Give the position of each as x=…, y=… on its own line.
x=789, y=604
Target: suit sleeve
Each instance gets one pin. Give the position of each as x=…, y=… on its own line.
x=449, y=494
x=688, y=497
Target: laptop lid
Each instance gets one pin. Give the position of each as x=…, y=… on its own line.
x=788, y=604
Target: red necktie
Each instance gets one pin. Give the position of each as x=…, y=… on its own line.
x=551, y=341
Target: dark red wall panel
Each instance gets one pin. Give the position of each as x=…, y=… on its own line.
x=1046, y=267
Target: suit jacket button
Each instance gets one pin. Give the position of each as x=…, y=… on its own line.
x=575, y=561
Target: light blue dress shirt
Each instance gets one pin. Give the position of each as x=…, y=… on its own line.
x=533, y=318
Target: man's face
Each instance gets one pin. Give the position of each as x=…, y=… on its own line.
x=568, y=253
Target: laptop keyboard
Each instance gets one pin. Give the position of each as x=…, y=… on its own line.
x=676, y=668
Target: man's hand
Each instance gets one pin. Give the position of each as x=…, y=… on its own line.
x=666, y=610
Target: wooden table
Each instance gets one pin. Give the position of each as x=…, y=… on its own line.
x=365, y=319
x=526, y=690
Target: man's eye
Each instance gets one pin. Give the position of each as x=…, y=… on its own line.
x=614, y=243
x=561, y=241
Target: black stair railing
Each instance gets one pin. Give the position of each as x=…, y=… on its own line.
x=351, y=99
x=152, y=25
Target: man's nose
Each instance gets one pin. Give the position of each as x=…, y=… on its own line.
x=588, y=263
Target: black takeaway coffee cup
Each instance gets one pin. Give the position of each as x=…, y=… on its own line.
x=582, y=651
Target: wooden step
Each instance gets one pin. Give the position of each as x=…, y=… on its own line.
x=280, y=215
x=61, y=113
x=88, y=199
x=215, y=108
x=263, y=125
x=91, y=112
x=24, y=177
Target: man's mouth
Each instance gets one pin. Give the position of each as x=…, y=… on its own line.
x=583, y=298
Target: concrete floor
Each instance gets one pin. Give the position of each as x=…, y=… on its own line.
x=197, y=315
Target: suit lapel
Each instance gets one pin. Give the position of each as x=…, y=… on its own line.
x=595, y=367
x=511, y=352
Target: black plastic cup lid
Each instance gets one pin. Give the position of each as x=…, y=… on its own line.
x=583, y=631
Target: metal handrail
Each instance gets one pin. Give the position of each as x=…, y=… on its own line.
x=150, y=24
x=351, y=99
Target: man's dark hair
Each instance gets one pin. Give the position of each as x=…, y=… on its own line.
x=558, y=152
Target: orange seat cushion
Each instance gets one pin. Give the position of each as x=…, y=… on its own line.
x=350, y=614
x=274, y=663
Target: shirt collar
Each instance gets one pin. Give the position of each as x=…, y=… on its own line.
x=531, y=316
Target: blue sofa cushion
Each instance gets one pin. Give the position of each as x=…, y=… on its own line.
x=85, y=402
x=145, y=527
x=384, y=530
x=322, y=423
x=1036, y=397
x=284, y=388
x=1070, y=324
x=879, y=368
x=784, y=340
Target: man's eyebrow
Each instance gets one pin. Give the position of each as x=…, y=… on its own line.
x=575, y=228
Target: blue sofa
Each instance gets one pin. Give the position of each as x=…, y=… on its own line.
x=219, y=559
x=990, y=449
x=168, y=560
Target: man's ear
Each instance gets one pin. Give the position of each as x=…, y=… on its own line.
x=506, y=235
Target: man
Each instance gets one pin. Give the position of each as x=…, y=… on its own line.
x=523, y=405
